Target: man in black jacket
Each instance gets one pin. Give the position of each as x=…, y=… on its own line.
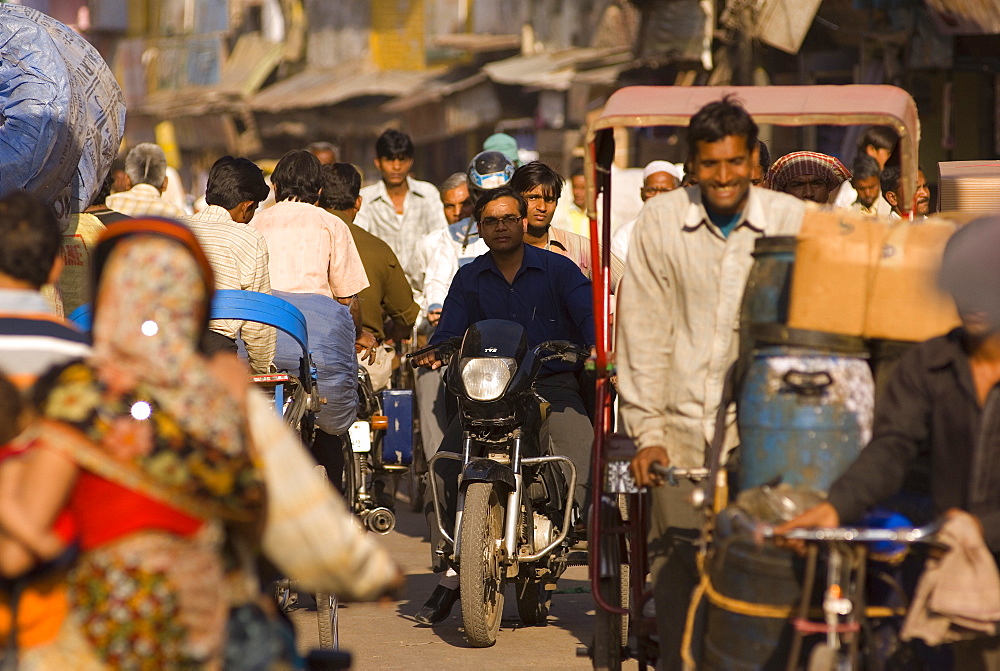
x=943, y=400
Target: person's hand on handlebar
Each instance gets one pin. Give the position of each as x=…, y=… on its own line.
x=427, y=360
x=823, y=516
x=642, y=463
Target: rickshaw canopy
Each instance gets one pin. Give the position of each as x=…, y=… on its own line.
x=849, y=105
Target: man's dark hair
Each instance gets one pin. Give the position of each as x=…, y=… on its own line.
x=341, y=186
x=534, y=174
x=105, y=190
x=30, y=238
x=232, y=181
x=393, y=144
x=889, y=180
x=12, y=407
x=496, y=194
x=720, y=119
x=297, y=175
x=865, y=167
x=880, y=137
x=765, y=156
x=576, y=166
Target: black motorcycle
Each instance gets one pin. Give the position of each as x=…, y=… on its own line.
x=515, y=501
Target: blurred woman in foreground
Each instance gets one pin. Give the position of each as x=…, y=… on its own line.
x=145, y=445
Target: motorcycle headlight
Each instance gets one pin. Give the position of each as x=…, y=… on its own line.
x=485, y=379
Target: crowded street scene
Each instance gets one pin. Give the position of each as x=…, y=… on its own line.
x=535, y=334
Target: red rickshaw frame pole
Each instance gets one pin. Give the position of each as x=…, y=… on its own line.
x=600, y=260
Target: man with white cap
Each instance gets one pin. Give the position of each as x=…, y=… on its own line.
x=657, y=177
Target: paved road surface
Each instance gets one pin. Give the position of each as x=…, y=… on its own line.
x=386, y=637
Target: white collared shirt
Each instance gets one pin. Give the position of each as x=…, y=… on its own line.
x=678, y=315
x=422, y=214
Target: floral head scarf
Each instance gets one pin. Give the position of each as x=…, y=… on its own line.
x=150, y=311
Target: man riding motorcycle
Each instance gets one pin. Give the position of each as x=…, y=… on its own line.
x=551, y=299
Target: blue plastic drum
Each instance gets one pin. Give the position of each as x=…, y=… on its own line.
x=805, y=408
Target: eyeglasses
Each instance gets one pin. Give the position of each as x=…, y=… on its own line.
x=509, y=220
x=653, y=190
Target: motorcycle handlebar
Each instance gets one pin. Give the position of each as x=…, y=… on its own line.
x=562, y=349
x=443, y=349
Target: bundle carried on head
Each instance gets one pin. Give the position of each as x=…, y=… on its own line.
x=63, y=112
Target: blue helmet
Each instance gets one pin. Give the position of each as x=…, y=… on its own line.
x=489, y=170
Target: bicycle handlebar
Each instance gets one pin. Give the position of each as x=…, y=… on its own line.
x=672, y=473
x=922, y=534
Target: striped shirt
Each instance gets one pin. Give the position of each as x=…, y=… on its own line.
x=577, y=249
x=32, y=339
x=238, y=254
x=143, y=200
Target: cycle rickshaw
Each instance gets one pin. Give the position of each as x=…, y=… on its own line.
x=618, y=521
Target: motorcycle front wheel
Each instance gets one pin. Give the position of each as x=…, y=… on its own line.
x=482, y=576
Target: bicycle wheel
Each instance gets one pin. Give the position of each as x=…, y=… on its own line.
x=352, y=475
x=611, y=629
x=326, y=614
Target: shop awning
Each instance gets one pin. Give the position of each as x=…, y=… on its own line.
x=433, y=91
x=328, y=87
x=478, y=43
x=554, y=70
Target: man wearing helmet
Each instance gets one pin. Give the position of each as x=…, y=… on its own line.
x=487, y=170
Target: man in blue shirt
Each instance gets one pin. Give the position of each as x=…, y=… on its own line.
x=551, y=299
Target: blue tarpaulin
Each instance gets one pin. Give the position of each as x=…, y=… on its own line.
x=331, y=339
x=62, y=114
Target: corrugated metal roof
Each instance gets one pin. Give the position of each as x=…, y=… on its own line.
x=553, y=70
x=324, y=88
x=433, y=91
x=245, y=70
x=478, y=42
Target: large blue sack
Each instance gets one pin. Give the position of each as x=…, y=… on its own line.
x=330, y=329
x=62, y=114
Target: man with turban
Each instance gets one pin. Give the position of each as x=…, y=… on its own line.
x=807, y=175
